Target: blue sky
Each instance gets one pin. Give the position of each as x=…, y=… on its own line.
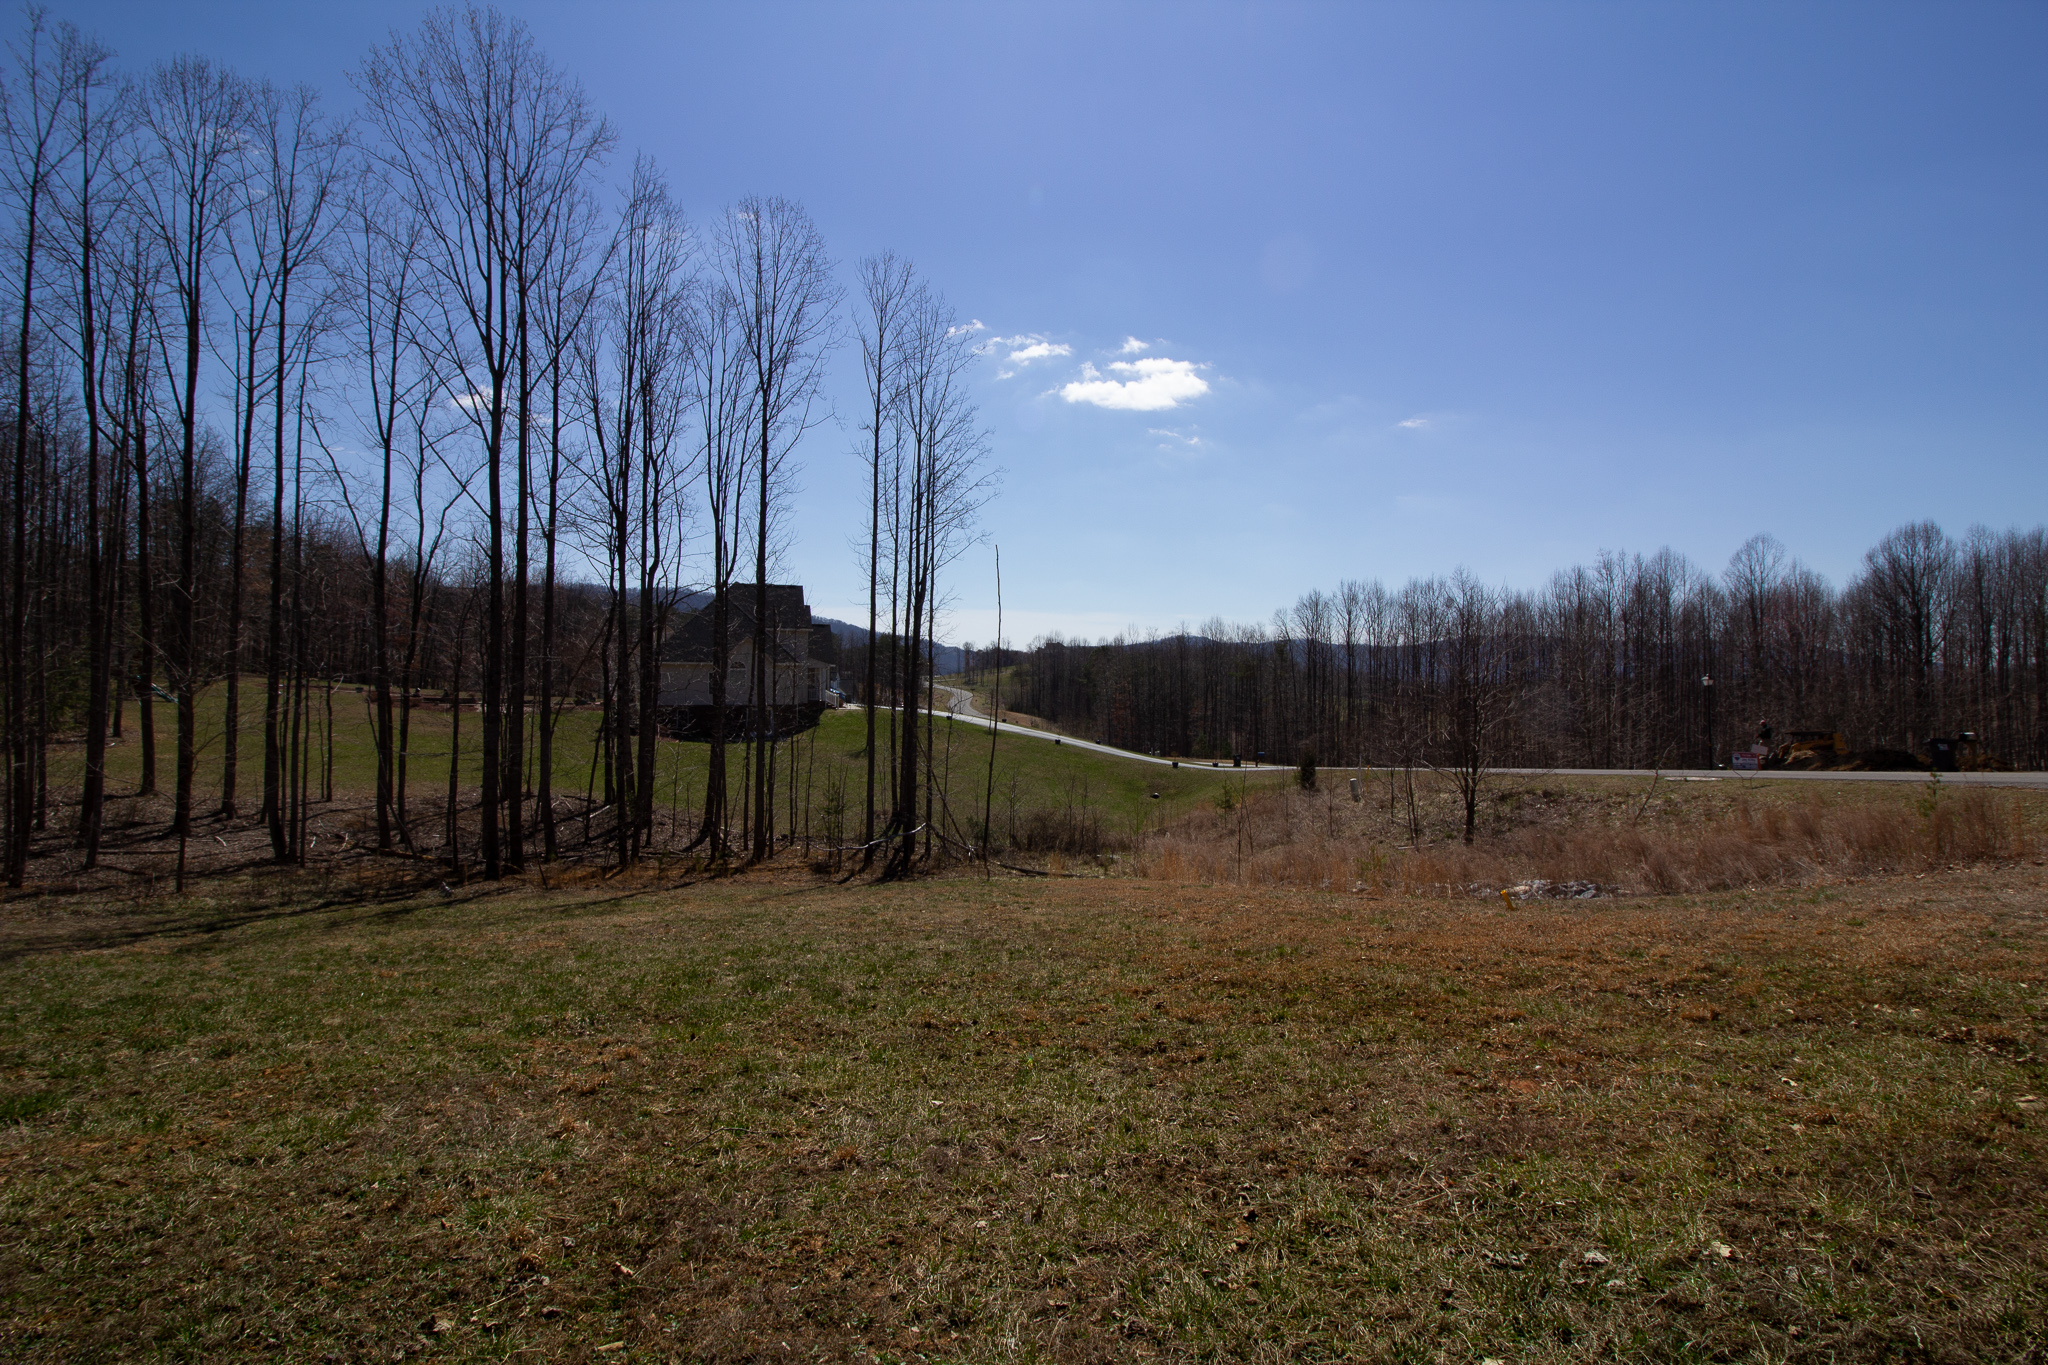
x=1492, y=285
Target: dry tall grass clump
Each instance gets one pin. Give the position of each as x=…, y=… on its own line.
x=1289, y=839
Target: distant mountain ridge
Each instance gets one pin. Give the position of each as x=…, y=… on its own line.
x=950, y=658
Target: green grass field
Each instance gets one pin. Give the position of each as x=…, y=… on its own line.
x=1026, y=1121
x=1031, y=775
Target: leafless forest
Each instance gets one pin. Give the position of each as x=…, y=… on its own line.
x=433, y=398
x=1633, y=662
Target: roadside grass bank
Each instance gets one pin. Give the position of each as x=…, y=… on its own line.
x=1068, y=1121
x=1644, y=836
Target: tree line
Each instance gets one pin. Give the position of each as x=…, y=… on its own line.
x=1634, y=661
x=414, y=397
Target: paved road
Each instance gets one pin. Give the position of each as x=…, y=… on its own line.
x=2035, y=780
x=960, y=706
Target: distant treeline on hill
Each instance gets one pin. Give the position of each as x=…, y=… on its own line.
x=1633, y=661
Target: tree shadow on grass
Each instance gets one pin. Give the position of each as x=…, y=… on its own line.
x=82, y=918
x=124, y=925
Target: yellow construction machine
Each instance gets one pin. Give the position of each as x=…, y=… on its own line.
x=1817, y=747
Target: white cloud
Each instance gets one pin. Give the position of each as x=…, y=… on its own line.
x=967, y=328
x=1177, y=447
x=1038, y=350
x=1154, y=383
x=1133, y=346
x=1024, y=348
x=1414, y=424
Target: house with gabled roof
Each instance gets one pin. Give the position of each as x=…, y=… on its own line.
x=803, y=664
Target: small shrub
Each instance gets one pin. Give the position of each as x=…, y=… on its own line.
x=1071, y=829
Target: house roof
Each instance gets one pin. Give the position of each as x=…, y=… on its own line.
x=689, y=640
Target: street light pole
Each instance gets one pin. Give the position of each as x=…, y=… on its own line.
x=1707, y=686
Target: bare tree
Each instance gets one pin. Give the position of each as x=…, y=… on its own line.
x=721, y=394
x=567, y=292
x=138, y=267
x=488, y=143
x=197, y=117
x=947, y=483
x=381, y=274
x=426, y=427
x=1752, y=580
x=1479, y=690
x=281, y=220
x=888, y=289
x=771, y=260
x=93, y=203
x=636, y=395
x=1907, y=577
x=38, y=132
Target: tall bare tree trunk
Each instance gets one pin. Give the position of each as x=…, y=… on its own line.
x=20, y=788
x=145, y=607
x=545, y=797
x=513, y=786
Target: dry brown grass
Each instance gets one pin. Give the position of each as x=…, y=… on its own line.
x=1634, y=838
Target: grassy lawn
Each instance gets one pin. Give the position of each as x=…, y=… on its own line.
x=1025, y=1121
x=355, y=761
x=1031, y=774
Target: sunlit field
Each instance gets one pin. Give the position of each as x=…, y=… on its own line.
x=1028, y=1119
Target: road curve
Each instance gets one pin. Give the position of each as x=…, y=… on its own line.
x=960, y=706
